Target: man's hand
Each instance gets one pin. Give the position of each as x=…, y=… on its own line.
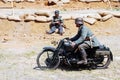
x=73, y=44
x=56, y=22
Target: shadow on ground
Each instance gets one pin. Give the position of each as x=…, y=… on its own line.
x=71, y=68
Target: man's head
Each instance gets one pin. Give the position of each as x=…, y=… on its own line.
x=56, y=12
x=79, y=22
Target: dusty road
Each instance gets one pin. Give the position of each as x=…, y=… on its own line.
x=21, y=42
x=17, y=63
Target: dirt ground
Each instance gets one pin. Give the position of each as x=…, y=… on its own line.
x=20, y=43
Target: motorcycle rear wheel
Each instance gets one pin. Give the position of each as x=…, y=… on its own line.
x=47, y=59
x=104, y=61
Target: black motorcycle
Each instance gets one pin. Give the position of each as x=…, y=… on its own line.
x=50, y=58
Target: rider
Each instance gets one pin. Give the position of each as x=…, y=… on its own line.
x=57, y=22
x=84, y=38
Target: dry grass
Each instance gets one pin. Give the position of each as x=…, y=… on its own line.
x=20, y=67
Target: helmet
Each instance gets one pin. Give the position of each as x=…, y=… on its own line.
x=79, y=21
x=56, y=11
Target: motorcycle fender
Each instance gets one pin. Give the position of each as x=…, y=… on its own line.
x=99, y=52
x=111, y=55
x=49, y=48
x=105, y=52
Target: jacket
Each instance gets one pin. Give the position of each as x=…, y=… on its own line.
x=83, y=33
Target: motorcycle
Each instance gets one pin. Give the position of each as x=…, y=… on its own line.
x=50, y=57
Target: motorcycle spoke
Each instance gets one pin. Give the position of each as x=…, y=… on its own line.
x=48, y=59
x=47, y=54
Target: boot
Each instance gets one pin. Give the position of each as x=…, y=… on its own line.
x=49, y=32
x=84, y=56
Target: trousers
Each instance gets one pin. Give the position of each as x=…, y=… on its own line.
x=60, y=29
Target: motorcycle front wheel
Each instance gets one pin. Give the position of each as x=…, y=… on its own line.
x=47, y=59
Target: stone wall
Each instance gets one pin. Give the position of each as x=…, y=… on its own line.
x=89, y=16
